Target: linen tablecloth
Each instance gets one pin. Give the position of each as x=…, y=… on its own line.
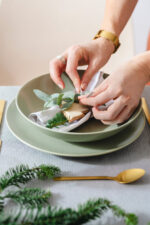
x=133, y=198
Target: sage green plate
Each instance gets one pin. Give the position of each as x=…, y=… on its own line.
x=92, y=130
x=33, y=137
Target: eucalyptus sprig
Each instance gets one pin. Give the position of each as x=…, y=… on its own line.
x=63, y=100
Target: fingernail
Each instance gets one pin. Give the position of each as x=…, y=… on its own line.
x=78, y=90
x=60, y=85
x=83, y=86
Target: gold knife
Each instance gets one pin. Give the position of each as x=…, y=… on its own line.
x=146, y=110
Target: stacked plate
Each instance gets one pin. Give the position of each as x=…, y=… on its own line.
x=91, y=139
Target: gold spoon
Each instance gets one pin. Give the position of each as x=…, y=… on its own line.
x=125, y=177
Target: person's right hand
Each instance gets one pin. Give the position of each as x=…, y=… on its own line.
x=124, y=86
x=95, y=54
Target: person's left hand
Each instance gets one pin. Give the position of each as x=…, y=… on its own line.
x=124, y=86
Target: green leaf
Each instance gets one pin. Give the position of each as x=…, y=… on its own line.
x=59, y=119
x=51, y=103
x=41, y=95
x=59, y=99
x=68, y=98
x=52, y=100
x=67, y=105
x=69, y=94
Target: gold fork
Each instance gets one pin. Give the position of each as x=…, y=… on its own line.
x=2, y=105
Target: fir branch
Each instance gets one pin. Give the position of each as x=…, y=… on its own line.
x=57, y=120
x=29, y=197
x=23, y=174
x=91, y=210
x=33, y=199
x=1, y=204
x=129, y=218
x=9, y=219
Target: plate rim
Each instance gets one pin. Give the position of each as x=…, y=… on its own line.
x=72, y=155
x=65, y=132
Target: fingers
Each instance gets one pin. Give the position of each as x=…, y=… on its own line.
x=113, y=110
x=72, y=58
x=100, y=99
x=102, y=87
x=71, y=70
x=56, y=67
x=88, y=74
x=122, y=117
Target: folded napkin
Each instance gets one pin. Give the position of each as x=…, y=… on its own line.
x=43, y=116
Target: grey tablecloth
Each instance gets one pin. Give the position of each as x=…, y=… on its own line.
x=133, y=198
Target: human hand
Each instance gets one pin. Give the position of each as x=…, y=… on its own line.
x=124, y=86
x=94, y=54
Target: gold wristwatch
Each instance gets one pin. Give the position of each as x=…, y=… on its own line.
x=109, y=36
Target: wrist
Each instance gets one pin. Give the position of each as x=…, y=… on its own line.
x=105, y=43
x=108, y=36
x=141, y=63
x=111, y=28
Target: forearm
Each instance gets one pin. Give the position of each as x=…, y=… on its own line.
x=117, y=14
x=142, y=63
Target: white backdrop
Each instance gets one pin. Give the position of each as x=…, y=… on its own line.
x=141, y=24
x=34, y=31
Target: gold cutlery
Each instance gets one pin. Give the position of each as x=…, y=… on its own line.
x=2, y=105
x=146, y=110
x=125, y=177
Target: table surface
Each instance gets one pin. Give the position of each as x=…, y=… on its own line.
x=132, y=197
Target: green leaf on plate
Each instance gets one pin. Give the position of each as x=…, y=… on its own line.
x=59, y=99
x=59, y=119
x=67, y=105
x=52, y=100
x=64, y=100
x=41, y=95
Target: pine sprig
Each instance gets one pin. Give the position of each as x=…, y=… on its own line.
x=29, y=197
x=57, y=120
x=1, y=204
x=129, y=218
x=33, y=202
x=91, y=210
x=23, y=174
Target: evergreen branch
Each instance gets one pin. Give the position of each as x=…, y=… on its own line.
x=58, y=119
x=8, y=220
x=129, y=218
x=1, y=204
x=91, y=210
x=29, y=197
x=23, y=174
